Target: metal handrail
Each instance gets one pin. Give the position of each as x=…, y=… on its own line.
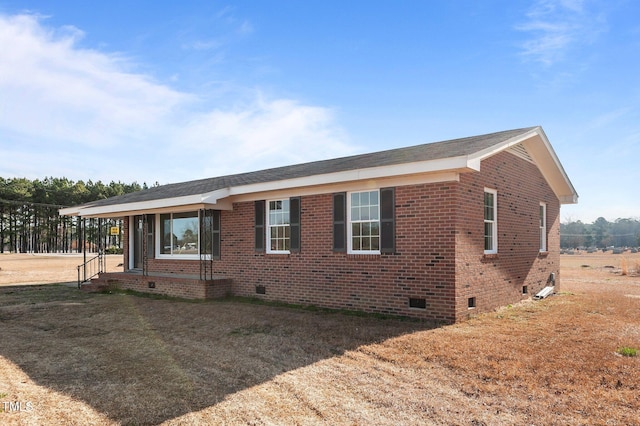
x=90, y=268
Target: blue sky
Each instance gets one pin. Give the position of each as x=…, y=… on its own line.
x=152, y=91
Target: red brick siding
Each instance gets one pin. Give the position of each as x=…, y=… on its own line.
x=422, y=266
x=498, y=280
x=439, y=250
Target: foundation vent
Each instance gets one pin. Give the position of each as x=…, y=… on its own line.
x=417, y=303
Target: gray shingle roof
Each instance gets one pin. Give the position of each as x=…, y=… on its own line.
x=424, y=152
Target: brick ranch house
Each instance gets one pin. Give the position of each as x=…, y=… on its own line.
x=436, y=231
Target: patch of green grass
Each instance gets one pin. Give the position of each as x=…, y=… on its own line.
x=627, y=351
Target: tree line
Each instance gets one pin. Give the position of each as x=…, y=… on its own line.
x=30, y=222
x=600, y=234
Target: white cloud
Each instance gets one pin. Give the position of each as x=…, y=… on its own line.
x=266, y=134
x=555, y=27
x=606, y=119
x=52, y=90
x=89, y=114
x=203, y=45
x=245, y=28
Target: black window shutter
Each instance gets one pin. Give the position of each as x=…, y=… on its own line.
x=259, y=225
x=215, y=246
x=294, y=223
x=387, y=220
x=340, y=222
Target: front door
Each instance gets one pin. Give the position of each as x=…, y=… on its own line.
x=138, y=235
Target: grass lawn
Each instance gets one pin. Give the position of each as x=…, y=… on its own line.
x=68, y=357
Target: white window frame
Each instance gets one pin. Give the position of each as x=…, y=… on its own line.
x=543, y=226
x=350, y=222
x=494, y=230
x=159, y=239
x=268, y=226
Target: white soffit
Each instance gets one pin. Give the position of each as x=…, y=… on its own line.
x=545, y=157
x=357, y=185
x=520, y=151
x=210, y=198
x=540, y=152
x=457, y=164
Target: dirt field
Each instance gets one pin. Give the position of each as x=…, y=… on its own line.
x=46, y=268
x=67, y=357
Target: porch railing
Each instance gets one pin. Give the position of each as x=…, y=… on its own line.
x=91, y=268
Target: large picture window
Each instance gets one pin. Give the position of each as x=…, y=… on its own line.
x=490, y=221
x=278, y=226
x=364, y=222
x=179, y=233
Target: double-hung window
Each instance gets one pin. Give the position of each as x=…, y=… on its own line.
x=364, y=222
x=278, y=226
x=543, y=227
x=490, y=221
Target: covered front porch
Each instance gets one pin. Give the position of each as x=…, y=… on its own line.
x=158, y=258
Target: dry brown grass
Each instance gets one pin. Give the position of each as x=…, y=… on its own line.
x=101, y=359
x=46, y=268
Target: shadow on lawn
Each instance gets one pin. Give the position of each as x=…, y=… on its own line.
x=140, y=360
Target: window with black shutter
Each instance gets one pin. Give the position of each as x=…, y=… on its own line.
x=294, y=223
x=387, y=220
x=259, y=225
x=368, y=227
x=339, y=222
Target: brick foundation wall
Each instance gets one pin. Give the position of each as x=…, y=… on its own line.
x=498, y=280
x=170, y=286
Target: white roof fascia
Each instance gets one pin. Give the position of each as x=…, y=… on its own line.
x=69, y=211
x=216, y=199
x=209, y=198
x=568, y=194
x=440, y=165
x=569, y=199
x=477, y=157
x=552, y=171
x=222, y=205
